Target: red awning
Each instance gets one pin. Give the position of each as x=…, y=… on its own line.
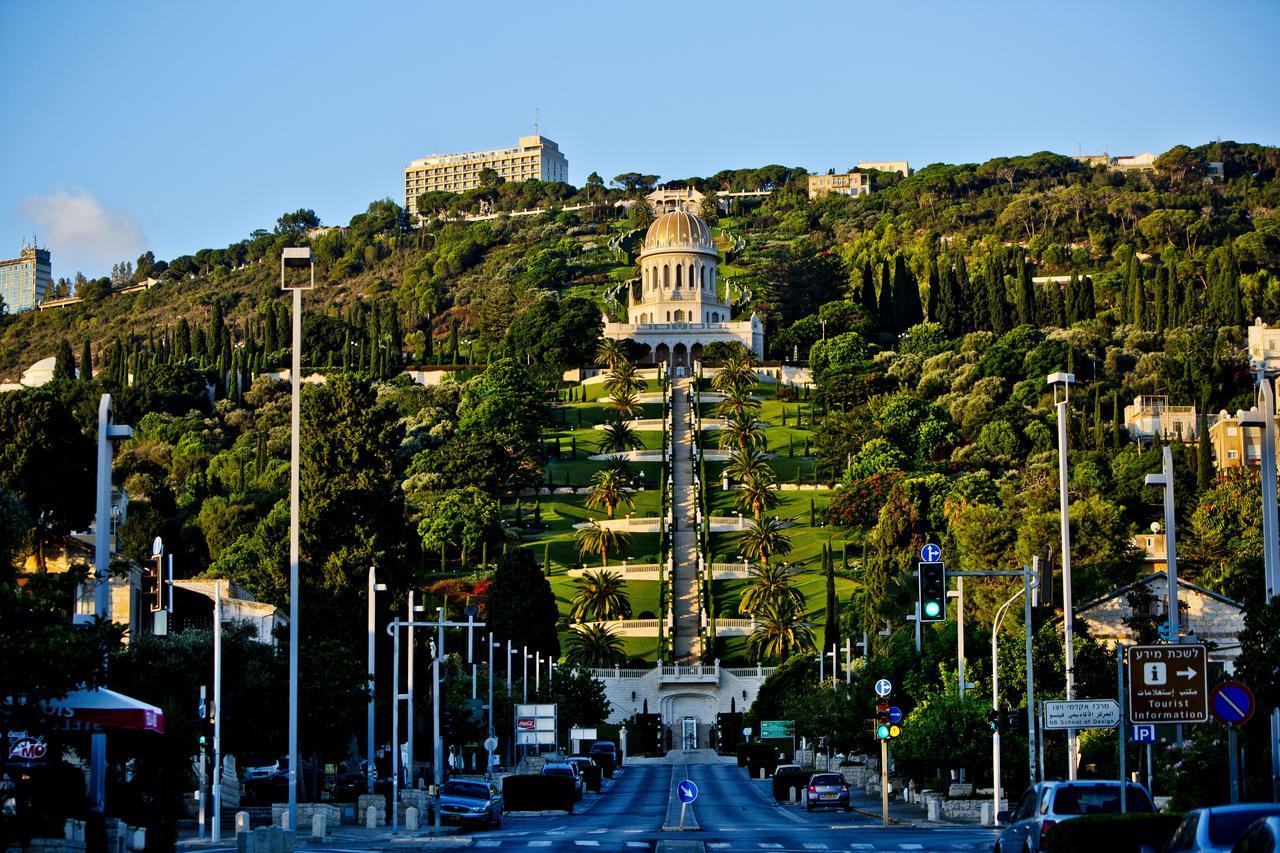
x=102, y=707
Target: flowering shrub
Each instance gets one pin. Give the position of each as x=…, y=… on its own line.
x=858, y=503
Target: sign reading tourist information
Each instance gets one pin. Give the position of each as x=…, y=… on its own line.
x=1082, y=714
x=777, y=729
x=1168, y=684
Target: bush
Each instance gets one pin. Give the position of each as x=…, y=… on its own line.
x=535, y=793
x=783, y=783
x=1115, y=832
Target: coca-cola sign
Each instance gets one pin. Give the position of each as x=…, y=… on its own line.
x=526, y=724
x=26, y=748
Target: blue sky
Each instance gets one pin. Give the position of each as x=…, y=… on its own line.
x=179, y=125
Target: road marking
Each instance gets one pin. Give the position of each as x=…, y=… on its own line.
x=768, y=845
x=488, y=842
x=718, y=845
x=862, y=847
x=910, y=846
x=637, y=844
x=815, y=847
x=586, y=842
x=539, y=843
x=596, y=831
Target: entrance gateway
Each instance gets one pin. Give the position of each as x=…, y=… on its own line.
x=689, y=733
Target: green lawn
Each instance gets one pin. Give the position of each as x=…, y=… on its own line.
x=806, y=541
x=573, y=426
x=788, y=443
x=560, y=512
x=727, y=593
x=643, y=595
x=644, y=649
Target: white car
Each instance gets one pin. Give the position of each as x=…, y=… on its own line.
x=1215, y=829
x=258, y=768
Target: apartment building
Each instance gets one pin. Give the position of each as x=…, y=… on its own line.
x=533, y=158
x=1151, y=417
x=1264, y=348
x=899, y=166
x=853, y=183
x=1235, y=446
x=25, y=280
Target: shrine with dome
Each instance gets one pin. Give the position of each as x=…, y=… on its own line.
x=676, y=308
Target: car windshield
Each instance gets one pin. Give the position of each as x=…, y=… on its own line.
x=1097, y=799
x=557, y=771
x=469, y=790
x=827, y=779
x=1226, y=827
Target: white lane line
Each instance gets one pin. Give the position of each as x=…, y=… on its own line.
x=768, y=845
x=718, y=845
x=586, y=842
x=815, y=847
x=637, y=844
x=862, y=847
x=539, y=843
x=488, y=842
x=596, y=831
x=910, y=846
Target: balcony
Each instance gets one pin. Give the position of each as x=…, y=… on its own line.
x=691, y=674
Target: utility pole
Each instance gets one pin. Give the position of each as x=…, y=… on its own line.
x=216, y=835
x=1029, y=582
x=371, y=773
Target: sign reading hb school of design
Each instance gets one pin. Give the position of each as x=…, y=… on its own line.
x=1168, y=684
x=1082, y=714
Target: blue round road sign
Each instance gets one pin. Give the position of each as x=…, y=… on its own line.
x=895, y=714
x=687, y=792
x=931, y=553
x=1232, y=703
x=883, y=687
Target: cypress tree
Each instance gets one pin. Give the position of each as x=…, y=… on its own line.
x=885, y=320
x=997, y=302
x=1189, y=312
x=1117, y=421
x=86, y=362
x=1069, y=299
x=931, y=305
x=272, y=338
x=1137, y=296
x=1204, y=458
x=1088, y=308
x=217, y=327
x=64, y=363
x=906, y=295
x=182, y=340
x=867, y=293
x=831, y=631
x=1057, y=305
x=1160, y=300
x=1174, y=297
x=1099, y=436
x=1026, y=302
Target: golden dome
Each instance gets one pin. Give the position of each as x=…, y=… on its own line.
x=679, y=231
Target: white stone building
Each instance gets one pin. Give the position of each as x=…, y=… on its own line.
x=1212, y=618
x=676, y=309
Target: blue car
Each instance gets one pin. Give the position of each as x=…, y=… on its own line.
x=1047, y=804
x=470, y=803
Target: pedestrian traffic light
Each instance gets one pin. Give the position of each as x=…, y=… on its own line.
x=933, y=592
x=993, y=721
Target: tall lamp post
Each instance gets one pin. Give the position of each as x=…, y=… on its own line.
x=1061, y=383
x=374, y=588
x=294, y=258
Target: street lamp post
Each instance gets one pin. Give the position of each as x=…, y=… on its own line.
x=370, y=772
x=413, y=609
x=1062, y=381
x=216, y=834
x=995, y=699
x=296, y=258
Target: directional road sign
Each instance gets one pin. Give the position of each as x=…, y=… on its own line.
x=777, y=728
x=1232, y=703
x=895, y=714
x=687, y=792
x=1142, y=733
x=1169, y=684
x=1082, y=714
x=931, y=553
x=883, y=687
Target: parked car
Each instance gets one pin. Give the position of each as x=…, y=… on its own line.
x=786, y=768
x=1050, y=803
x=258, y=767
x=608, y=747
x=275, y=788
x=827, y=790
x=580, y=761
x=470, y=802
x=1217, y=828
x=570, y=770
x=1262, y=837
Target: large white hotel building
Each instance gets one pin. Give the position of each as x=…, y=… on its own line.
x=533, y=158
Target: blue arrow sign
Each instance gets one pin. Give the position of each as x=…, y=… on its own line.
x=931, y=553
x=1232, y=703
x=687, y=792
x=895, y=714
x=883, y=687
x=1142, y=733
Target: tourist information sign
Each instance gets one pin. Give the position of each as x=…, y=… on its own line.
x=1168, y=684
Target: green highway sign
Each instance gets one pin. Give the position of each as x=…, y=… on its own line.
x=777, y=728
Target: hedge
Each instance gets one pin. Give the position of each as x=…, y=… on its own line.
x=536, y=793
x=783, y=783
x=1120, y=833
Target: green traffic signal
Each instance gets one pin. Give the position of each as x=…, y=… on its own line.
x=932, y=609
x=882, y=732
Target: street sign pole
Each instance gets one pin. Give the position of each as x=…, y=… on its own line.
x=1124, y=735
x=884, y=782
x=1233, y=763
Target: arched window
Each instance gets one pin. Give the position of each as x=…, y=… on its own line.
x=691, y=276
x=677, y=276
x=679, y=316
x=668, y=316
x=703, y=273
x=715, y=316
x=666, y=277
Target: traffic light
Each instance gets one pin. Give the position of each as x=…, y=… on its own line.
x=885, y=728
x=933, y=592
x=994, y=721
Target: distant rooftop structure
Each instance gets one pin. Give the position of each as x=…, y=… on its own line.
x=685, y=199
x=1151, y=417
x=25, y=280
x=900, y=166
x=532, y=158
x=1264, y=348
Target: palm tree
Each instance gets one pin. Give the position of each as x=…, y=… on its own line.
x=619, y=437
x=620, y=466
x=610, y=352
x=769, y=584
x=595, y=646
x=600, y=540
x=737, y=374
x=625, y=403
x=607, y=490
x=601, y=596
x=780, y=632
x=623, y=378
x=738, y=403
x=743, y=465
x=765, y=539
x=758, y=493
x=742, y=433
